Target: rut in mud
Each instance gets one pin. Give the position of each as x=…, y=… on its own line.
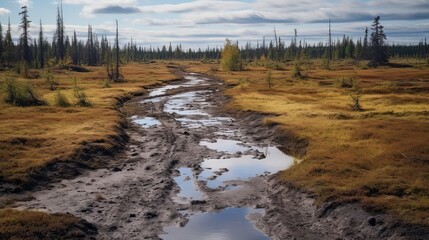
x=190, y=172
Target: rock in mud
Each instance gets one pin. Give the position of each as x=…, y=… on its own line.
x=150, y=215
x=198, y=202
x=372, y=221
x=116, y=169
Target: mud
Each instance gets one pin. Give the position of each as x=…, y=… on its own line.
x=138, y=196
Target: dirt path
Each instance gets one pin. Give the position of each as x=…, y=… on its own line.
x=139, y=197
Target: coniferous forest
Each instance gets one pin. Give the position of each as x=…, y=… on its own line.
x=40, y=51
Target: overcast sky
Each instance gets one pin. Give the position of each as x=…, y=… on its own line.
x=202, y=23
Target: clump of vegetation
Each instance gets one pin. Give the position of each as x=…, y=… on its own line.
x=345, y=82
x=231, y=60
x=296, y=71
x=61, y=100
x=106, y=83
x=50, y=81
x=16, y=224
x=269, y=79
x=20, y=94
x=356, y=98
x=213, y=68
x=80, y=95
x=243, y=83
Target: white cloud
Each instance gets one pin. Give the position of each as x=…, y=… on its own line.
x=4, y=11
x=24, y=2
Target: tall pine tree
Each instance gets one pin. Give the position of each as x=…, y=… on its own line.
x=379, y=50
x=25, y=36
x=41, y=57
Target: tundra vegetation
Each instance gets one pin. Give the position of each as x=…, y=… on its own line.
x=362, y=107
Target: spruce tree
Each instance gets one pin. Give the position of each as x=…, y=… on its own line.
x=8, y=46
x=379, y=50
x=25, y=36
x=59, y=35
x=75, y=50
x=41, y=47
x=1, y=46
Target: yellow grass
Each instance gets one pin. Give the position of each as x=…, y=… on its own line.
x=31, y=137
x=351, y=154
x=38, y=225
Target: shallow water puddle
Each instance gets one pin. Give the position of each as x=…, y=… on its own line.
x=199, y=123
x=182, y=104
x=228, y=224
x=146, y=122
x=244, y=167
x=223, y=145
x=162, y=90
x=188, y=188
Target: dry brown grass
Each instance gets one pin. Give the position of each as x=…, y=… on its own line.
x=31, y=137
x=351, y=154
x=38, y=225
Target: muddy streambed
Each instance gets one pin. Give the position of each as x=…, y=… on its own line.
x=189, y=172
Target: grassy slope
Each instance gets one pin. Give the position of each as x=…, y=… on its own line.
x=351, y=155
x=31, y=137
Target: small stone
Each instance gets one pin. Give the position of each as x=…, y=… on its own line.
x=150, y=215
x=132, y=215
x=372, y=221
x=116, y=169
x=198, y=202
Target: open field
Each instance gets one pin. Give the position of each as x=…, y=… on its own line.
x=378, y=156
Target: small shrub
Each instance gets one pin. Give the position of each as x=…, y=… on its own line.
x=296, y=71
x=269, y=79
x=61, y=100
x=50, y=81
x=81, y=98
x=213, y=68
x=106, y=83
x=20, y=94
x=243, y=83
x=344, y=82
x=356, y=98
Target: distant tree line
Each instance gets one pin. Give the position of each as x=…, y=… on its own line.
x=39, y=52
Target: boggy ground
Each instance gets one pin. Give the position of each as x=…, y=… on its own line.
x=134, y=197
x=377, y=156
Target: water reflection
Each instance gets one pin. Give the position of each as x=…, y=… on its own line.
x=145, y=122
x=228, y=224
x=188, y=188
x=244, y=167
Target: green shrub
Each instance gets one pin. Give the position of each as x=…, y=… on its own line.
x=50, y=81
x=81, y=98
x=61, y=100
x=296, y=71
x=20, y=94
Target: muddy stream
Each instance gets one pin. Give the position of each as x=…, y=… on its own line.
x=189, y=172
